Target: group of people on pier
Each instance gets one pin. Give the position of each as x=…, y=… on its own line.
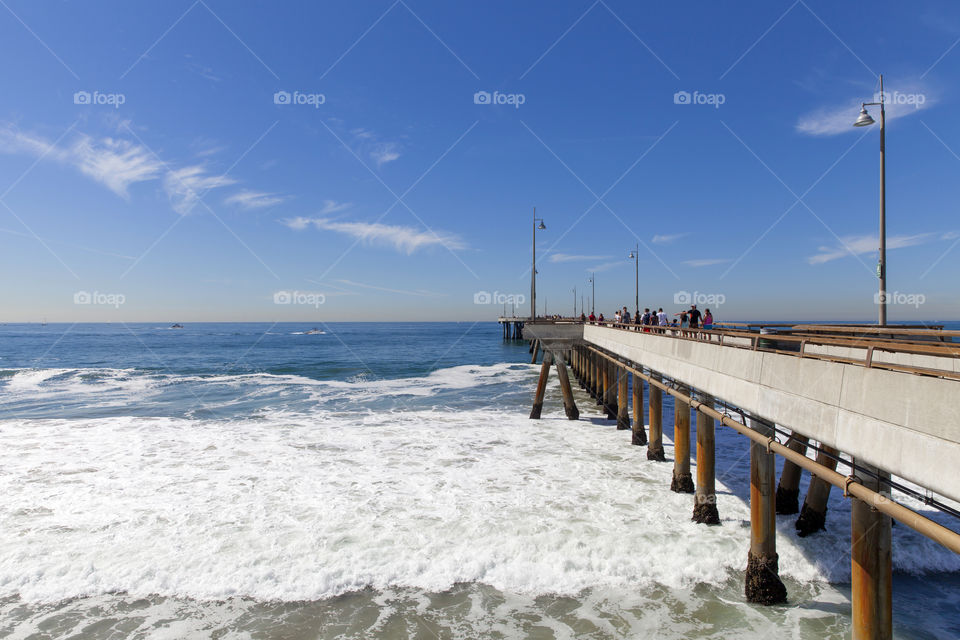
x=691, y=318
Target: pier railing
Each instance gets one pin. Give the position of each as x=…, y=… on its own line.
x=917, y=351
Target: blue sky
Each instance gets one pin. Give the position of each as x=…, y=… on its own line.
x=213, y=160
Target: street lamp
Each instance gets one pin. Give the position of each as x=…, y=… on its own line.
x=533, y=274
x=593, y=292
x=574, y=302
x=635, y=255
x=864, y=120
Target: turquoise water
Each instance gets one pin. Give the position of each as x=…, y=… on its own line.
x=373, y=480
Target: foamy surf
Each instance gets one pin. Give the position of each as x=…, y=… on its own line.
x=430, y=512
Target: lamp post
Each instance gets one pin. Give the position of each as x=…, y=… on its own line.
x=635, y=255
x=533, y=274
x=865, y=121
x=574, y=302
x=593, y=292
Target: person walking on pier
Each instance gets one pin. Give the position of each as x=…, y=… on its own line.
x=662, y=319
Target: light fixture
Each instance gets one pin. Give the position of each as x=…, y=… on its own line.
x=864, y=120
x=542, y=226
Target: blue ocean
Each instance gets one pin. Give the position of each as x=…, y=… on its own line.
x=375, y=480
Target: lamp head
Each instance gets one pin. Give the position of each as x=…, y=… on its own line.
x=864, y=120
x=542, y=226
x=632, y=255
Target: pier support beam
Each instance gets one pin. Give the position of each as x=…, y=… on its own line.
x=705, y=499
x=610, y=389
x=763, y=585
x=788, y=491
x=871, y=568
x=535, y=350
x=569, y=406
x=682, y=480
x=541, y=386
x=597, y=380
x=639, y=433
x=623, y=413
x=655, y=445
x=813, y=515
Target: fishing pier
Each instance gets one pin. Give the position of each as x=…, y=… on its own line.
x=874, y=402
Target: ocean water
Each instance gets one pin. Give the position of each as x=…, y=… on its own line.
x=375, y=481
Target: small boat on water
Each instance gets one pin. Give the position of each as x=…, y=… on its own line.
x=312, y=331
x=176, y=325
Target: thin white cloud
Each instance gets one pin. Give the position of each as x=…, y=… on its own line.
x=667, y=238
x=907, y=100
x=705, y=262
x=422, y=293
x=255, y=199
x=332, y=206
x=606, y=266
x=566, y=257
x=858, y=245
x=404, y=239
x=115, y=163
x=187, y=185
x=384, y=153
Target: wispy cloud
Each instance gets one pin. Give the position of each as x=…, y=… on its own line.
x=667, y=238
x=422, y=293
x=255, y=199
x=115, y=163
x=705, y=262
x=384, y=153
x=404, y=239
x=566, y=257
x=858, y=245
x=332, y=206
x=908, y=99
x=187, y=185
x=606, y=266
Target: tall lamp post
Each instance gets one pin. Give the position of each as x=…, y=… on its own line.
x=533, y=273
x=865, y=121
x=593, y=292
x=574, y=302
x=635, y=255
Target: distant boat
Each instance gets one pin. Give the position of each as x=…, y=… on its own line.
x=312, y=331
x=176, y=326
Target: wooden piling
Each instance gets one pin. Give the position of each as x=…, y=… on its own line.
x=541, y=386
x=871, y=568
x=813, y=514
x=763, y=585
x=705, y=499
x=639, y=433
x=535, y=350
x=610, y=395
x=788, y=491
x=569, y=405
x=682, y=480
x=623, y=413
x=655, y=445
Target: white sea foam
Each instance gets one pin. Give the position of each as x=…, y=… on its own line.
x=303, y=506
